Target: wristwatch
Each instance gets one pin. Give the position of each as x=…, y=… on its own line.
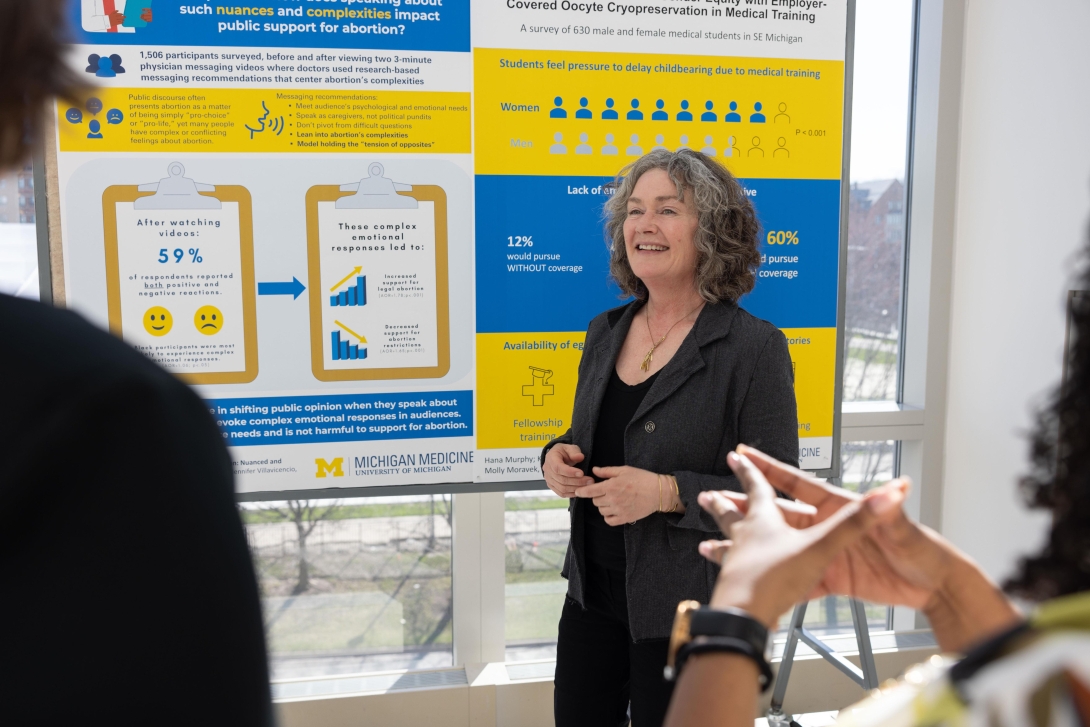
x=701, y=629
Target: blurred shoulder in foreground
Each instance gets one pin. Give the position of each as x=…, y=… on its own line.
x=130, y=591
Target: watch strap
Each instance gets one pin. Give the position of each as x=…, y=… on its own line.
x=700, y=629
x=730, y=645
x=732, y=622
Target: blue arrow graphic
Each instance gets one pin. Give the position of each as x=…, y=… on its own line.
x=294, y=288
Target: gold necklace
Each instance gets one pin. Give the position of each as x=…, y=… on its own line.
x=646, y=365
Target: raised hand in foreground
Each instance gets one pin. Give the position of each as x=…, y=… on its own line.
x=895, y=561
x=832, y=542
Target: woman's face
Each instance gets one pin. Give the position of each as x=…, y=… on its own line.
x=659, y=232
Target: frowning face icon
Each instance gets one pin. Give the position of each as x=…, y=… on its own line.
x=208, y=319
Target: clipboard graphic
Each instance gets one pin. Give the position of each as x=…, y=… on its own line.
x=378, y=280
x=180, y=276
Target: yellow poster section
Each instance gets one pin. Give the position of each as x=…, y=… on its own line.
x=813, y=356
x=264, y=120
x=517, y=132
x=525, y=387
x=526, y=384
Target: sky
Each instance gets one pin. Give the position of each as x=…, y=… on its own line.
x=880, y=95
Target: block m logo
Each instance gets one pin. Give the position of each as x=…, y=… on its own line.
x=336, y=467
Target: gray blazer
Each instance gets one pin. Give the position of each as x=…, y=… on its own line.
x=731, y=381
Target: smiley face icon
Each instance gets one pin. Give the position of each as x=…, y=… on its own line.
x=158, y=321
x=208, y=319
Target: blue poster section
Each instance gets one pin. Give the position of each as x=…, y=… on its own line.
x=436, y=25
x=343, y=417
x=543, y=261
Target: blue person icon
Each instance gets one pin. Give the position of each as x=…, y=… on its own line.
x=660, y=115
x=92, y=63
x=685, y=114
x=757, y=117
x=583, y=112
x=709, y=115
x=558, y=112
x=733, y=116
x=609, y=113
x=95, y=129
x=105, y=68
x=115, y=59
x=635, y=114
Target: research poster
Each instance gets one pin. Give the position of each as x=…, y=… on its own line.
x=274, y=201
x=369, y=232
x=564, y=95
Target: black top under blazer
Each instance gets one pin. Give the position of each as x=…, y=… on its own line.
x=730, y=382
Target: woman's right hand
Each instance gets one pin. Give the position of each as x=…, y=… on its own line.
x=561, y=474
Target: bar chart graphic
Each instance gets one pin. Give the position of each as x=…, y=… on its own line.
x=354, y=295
x=343, y=350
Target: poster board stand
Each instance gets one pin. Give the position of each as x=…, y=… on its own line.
x=866, y=678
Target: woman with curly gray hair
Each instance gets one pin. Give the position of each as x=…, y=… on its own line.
x=668, y=384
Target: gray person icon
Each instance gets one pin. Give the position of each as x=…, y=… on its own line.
x=376, y=191
x=732, y=150
x=609, y=148
x=708, y=149
x=584, y=147
x=781, y=150
x=684, y=142
x=558, y=148
x=658, y=142
x=756, y=149
x=176, y=192
x=635, y=150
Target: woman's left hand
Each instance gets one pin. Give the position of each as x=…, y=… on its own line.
x=627, y=494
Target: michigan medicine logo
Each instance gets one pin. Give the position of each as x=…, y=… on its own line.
x=335, y=468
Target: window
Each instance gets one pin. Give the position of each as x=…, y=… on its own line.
x=536, y=530
x=354, y=585
x=876, y=207
x=18, y=235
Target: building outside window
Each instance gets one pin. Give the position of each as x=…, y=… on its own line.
x=18, y=234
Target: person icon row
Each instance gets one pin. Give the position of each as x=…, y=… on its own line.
x=634, y=149
x=660, y=114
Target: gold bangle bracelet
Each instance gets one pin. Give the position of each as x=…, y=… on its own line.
x=677, y=494
x=659, y=479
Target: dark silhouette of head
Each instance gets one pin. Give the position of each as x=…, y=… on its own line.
x=31, y=53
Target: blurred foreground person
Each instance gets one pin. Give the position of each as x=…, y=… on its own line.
x=1015, y=670
x=129, y=594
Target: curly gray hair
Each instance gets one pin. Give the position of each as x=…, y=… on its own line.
x=726, y=239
